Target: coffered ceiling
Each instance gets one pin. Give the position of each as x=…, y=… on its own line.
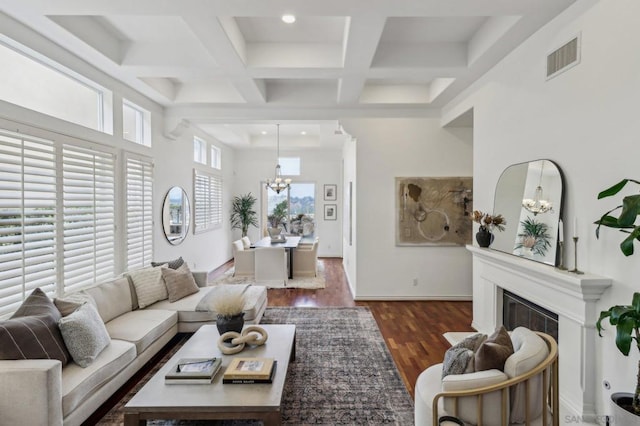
x=235, y=62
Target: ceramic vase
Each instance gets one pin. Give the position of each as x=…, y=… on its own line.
x=230, y=323
x=484, y=237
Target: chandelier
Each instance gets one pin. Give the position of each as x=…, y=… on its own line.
x=538, y=204
x=278, y=184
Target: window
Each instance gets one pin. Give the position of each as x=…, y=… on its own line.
x=290, y=166
x=57, y=217
x=37, y=83
x=28, y=218
x=199, y=151
x=207, y=200
x=293, y=210
x=136, y=125
x=216, y=157
x=139, y=172
x=88, y=202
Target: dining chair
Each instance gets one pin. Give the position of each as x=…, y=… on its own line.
x=271, y=266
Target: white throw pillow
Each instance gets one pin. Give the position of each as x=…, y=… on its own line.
x=84, y=334
x=149, y=285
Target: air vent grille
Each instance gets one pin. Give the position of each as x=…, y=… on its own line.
x=563, y=58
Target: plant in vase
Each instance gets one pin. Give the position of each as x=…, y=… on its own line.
x=487, y=223
x=242, y=213
x=626, y=318
x=534, y=237
x=229, y=307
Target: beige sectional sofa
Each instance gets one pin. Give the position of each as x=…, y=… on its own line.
x=42, y=392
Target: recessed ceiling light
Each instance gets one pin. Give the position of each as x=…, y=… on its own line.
x=264, y=132
x=303, y=133
x=288, y=19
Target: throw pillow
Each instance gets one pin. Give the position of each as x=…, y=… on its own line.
x=180, y=283
x=32, y=331
x=149, y=285
x=173, y=264
x=494, y=351
x=84, y=334
x=459, y=359
x=65, y=306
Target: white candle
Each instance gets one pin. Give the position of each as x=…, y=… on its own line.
x=575, y=227
x=560, y=231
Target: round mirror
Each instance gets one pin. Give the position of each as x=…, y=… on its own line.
x=176, y=215
x=529, y=196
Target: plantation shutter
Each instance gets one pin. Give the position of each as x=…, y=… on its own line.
x=89, y=216
x=207, y=201
x=139, y=211
x=27, y=218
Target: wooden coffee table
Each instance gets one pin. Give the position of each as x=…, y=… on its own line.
x=156, y=400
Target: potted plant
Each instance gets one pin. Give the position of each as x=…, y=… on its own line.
x=242, y=213
x=534, y=236
x=279, y=215
x=487, y=223
x=626, y=318
x=229, y=307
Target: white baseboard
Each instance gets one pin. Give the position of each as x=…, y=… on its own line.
x=412, y=298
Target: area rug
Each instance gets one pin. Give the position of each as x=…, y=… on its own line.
x=343, y=373
x=295, y=282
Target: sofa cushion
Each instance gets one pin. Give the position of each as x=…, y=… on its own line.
x=32, y=331
x=149, y=285
x=80, y=383
x=493, y=353
x=179, y=282
x=84, y=334
x=173, y=264
x=142, y=327
x=112, y=298
x=459, y=359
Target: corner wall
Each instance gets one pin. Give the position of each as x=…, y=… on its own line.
x=390, y=148
x=586, y=120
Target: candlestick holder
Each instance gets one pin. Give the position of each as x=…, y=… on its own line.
x=561, y=254
x=575, y=261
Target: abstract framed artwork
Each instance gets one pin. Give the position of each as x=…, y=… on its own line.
x=330, y=212
x=330, y=192
x=433, y=211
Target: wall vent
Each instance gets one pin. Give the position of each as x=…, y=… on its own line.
x=563, y=58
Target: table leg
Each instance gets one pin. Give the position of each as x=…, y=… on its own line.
x=272, y=419
x=290, y=263
x=132, y=419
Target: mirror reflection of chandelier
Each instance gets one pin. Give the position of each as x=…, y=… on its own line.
x=538, y=204
x=278, y=184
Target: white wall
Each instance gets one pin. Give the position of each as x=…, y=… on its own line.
x=349, y=231
x=390, y=148
x=586, y=120
x=316, y=166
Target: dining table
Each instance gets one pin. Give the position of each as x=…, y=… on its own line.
x=290, y=243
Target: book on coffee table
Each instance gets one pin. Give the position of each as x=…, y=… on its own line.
x=249, y=370
x=193, y=371
x=249, y=381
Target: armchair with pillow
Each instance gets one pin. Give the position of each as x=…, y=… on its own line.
x=503, y=379
x=243, y=260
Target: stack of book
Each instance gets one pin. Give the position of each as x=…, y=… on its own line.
x=243, y=370
x=193, y=371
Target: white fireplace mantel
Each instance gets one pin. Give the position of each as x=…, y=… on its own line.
x=571, y=296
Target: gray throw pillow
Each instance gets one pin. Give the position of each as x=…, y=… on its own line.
x=84, y=334
x=459, y=359
x=493, y=353
x=32, y=331
x=180, y=283
x=173, y=264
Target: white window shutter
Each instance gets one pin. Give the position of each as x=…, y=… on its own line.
x=139, y=171
x=207, y=198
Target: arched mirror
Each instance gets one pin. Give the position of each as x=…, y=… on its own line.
x=176, y=214
x=529, y=196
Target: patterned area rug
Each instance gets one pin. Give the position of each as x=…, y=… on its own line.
x=295, y=282
x=343, y=373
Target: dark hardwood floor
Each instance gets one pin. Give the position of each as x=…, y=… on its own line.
x=412, y=330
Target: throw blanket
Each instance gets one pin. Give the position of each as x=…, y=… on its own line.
x=206, y=303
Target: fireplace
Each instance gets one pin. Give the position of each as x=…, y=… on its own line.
x=519, y=312
x=571, y=298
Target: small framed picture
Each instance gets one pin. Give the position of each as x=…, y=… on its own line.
x=330, y=192
x=330, y=212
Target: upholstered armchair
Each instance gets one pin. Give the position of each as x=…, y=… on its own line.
x=271, y=266
x=305, y=260
x=243, y=259
x=524, y=392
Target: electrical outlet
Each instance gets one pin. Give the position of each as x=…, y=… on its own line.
x=415, y=282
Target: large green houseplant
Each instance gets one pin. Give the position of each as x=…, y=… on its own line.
x=626, y=318
x=242, y=213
